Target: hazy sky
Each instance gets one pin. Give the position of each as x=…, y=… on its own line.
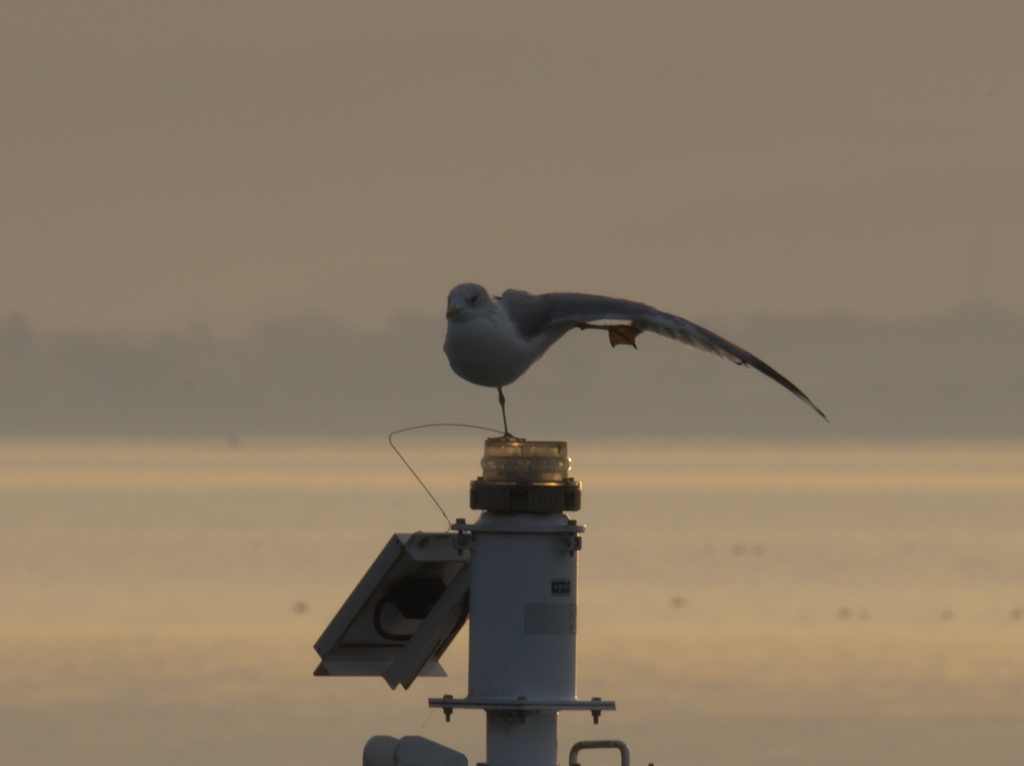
x=226, y=161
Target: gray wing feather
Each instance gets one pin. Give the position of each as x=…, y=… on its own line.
x=535, y=314
x=560, y=312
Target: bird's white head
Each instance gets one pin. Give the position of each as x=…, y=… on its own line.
x=467, y=301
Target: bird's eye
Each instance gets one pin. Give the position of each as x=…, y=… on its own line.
x=473, y=299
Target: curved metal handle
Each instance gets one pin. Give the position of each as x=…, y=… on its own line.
x=599, y=744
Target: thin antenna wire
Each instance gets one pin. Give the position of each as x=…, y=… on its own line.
x=415, y=475
x=427, y=720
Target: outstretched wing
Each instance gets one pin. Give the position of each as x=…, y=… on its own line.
x=554, y=312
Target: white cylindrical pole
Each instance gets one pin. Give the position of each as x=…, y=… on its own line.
x=522, y=631
x=522, y=603
x=522, y=738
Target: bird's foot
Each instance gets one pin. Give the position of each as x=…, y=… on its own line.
x=618, y=334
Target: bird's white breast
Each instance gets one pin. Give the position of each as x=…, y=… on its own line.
x=486, y=350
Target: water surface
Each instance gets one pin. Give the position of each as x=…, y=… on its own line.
x=744, y=603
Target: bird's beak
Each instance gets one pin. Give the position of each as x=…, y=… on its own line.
x=452, y=313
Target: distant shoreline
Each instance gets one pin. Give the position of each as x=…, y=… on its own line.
x=956, y=376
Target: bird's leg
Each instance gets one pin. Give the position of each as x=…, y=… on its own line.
x=618, y=334
x=504, y=420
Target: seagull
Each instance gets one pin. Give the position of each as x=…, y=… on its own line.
x=492, y=341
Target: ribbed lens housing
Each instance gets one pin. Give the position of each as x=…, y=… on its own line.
x=525, y=462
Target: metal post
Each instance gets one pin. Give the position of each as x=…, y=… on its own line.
x=522, y=607
x=522, y=631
